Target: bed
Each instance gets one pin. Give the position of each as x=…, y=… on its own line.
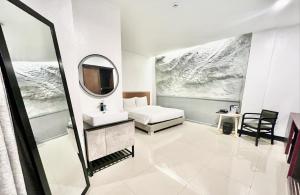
x=150, y=118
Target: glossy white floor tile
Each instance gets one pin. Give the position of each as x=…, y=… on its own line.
x=196, y=159
x=62, y=167
x=211, y=182
x=111, y=189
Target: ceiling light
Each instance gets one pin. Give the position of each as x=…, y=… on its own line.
x=175, y=5
x=280, y=4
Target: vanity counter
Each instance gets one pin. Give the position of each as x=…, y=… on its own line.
x=87, y=127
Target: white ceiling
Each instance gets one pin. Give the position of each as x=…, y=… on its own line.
x=151, y=27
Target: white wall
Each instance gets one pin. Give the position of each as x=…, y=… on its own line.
x=23, y=30
x=273, y=76
x=272, y=81
x=98, y=31
x=138, y=73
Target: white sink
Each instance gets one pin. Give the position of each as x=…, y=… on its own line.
x=99, y=118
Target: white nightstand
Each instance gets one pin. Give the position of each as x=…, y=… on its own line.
x=235, y=117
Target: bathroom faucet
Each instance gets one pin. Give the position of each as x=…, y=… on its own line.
x=102, y=107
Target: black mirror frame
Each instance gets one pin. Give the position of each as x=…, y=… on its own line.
x=87, y=91
x=13, y=91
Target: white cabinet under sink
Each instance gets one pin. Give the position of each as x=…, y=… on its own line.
x=100, y=118
x=109, y=139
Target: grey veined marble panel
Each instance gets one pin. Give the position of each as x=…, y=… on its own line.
x=215, y=70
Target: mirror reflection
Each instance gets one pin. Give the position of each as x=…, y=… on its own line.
x=98, y=75
x=37, y=70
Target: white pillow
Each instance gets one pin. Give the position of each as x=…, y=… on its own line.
x=129, y=103
x=141, y=101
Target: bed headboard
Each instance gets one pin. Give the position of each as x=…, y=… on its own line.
x=131, y=94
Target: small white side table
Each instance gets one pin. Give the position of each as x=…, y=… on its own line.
x=235, y=117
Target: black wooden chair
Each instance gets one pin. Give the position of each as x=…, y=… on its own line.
x=260, y=123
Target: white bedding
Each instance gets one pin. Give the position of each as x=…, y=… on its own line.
x=154, y=114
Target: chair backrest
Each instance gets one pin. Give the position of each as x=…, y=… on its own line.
x=271, y=115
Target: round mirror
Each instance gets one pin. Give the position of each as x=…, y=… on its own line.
x=98, y=76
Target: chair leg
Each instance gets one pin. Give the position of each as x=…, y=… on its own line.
x=257, y=138
x=272, y=136
x=240, y=133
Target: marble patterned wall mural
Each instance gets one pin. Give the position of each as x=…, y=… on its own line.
x=41, y=87
x=215, y=70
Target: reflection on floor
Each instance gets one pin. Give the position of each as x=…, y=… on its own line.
x=194, y=159
x=62, y=166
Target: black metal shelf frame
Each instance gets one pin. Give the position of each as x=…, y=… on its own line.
x=109, y=160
